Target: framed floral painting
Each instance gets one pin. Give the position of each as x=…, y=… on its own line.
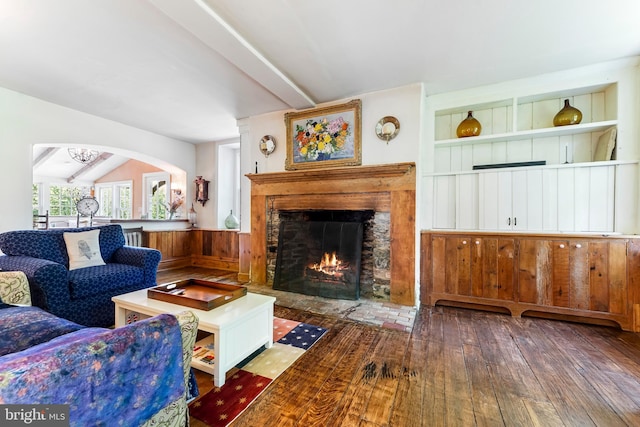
x=324, y=137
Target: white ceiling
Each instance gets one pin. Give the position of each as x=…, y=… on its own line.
x=188, y=69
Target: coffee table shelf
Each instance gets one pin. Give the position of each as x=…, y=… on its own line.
x=239, y=328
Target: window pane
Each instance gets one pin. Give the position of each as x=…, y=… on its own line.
x=125, y=201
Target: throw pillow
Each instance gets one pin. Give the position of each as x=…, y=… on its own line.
x=83, y=249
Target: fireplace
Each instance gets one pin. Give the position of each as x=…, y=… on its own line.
x=387, y=190
x=319, y=258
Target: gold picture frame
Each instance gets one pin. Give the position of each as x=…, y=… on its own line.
x=324, y=137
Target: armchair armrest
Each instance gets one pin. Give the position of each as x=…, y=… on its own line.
x=48, y=281
x=147, y=258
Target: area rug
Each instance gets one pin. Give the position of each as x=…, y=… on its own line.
x=223, y=404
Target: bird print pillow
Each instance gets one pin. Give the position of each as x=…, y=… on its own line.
x=83, y=249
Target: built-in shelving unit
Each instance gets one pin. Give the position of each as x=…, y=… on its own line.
x=568, y=192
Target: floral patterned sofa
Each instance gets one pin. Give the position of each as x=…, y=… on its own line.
x=135, y=375
x=80, y=294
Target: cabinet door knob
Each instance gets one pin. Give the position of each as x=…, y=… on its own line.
x=561, y=245
x=464, y=242
x=515, y=221
x=509, y=221
x=477, y=242
x=578, y=245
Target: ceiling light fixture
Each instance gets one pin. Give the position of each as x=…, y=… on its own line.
x=83, y=155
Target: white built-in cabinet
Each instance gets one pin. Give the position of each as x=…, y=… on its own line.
x=570, y=193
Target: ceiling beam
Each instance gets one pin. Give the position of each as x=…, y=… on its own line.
x=48, y=152
x=203, y=22
x=86, y=168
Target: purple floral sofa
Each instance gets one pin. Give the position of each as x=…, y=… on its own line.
x=80, y=295
x=135, y=375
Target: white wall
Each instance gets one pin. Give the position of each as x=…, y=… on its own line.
x=25, y=121
x=206, y=167
x=404, y=103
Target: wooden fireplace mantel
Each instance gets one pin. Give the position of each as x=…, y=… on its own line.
x=384, y=188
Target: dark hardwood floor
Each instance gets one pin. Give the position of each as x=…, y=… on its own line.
x=458, y=368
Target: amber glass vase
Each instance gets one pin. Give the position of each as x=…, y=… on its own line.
x=567, y=116
x=469, y=127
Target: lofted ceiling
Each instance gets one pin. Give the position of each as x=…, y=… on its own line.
x=188, y=69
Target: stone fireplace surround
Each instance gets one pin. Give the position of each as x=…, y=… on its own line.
x=381, y=188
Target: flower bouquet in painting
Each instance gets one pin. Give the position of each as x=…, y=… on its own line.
x=324, y=137
x=318, y=140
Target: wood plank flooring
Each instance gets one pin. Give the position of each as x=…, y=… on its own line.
x=457, y=368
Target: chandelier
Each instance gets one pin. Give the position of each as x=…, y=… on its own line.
x=83, y=155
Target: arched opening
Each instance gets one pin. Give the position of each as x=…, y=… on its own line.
x=122, y=181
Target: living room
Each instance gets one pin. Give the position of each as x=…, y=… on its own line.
x=425, y=86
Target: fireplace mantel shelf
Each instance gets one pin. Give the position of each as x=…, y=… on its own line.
x=352, y=172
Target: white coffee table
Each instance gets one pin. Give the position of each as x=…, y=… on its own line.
x=239, y=328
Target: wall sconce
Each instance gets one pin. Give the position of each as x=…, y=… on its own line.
x=267, y=145
x=387, y=128
x=202, y=190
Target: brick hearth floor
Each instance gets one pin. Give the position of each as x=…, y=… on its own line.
x=384, y=314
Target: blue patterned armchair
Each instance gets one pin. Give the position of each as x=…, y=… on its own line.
x=82, y=295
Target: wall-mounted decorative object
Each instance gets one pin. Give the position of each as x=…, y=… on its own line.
x=267, y=145
x=83, y=155
x=387, y=128
x=202, y=190
x=324, y=137
x=469, y=126
x=567, y=116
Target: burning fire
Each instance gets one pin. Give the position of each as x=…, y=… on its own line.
x=329, y=265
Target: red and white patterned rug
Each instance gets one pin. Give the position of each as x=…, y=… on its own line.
x=222, y=405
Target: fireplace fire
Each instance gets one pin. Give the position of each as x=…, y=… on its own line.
x=319, y=258
x=329, y=265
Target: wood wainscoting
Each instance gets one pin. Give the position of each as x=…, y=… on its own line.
x=385, y=188
x=218, y=249
x=575, y=277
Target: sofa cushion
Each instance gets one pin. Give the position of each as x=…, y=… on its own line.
x=103, y=279
x=83, y=249
x=49, y=244
x=43, y=244
x=24, y=327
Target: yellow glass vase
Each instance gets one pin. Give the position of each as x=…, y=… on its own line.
x=469, y=127
x=567, y=116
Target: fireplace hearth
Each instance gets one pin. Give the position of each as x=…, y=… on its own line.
x=319, y=258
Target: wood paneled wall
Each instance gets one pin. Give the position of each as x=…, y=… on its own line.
x=200, y=248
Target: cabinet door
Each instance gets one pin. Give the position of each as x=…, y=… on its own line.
x=473, y=266
x=579, y=274
x=494, y=271
x=494, y=201
x=451, y=265
x=504, y=200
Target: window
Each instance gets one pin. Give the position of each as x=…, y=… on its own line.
x=156, y=195
x=115, y=199
x=35, y=198
x=62, y=199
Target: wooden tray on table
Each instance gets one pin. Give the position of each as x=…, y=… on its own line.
x=196, y=293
